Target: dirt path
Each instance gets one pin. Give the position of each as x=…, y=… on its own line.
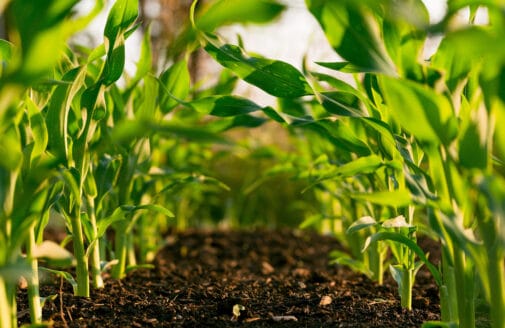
x=278, y=279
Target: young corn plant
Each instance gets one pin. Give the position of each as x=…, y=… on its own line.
x=26, y=172
x=435, y=119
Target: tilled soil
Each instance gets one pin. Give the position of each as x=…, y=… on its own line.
x=270, y=278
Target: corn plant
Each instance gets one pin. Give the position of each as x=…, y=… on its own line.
x=428, y=124
x=27, y=170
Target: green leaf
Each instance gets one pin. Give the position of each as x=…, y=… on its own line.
x=10, y=146
x=422, y=112
x=58, y=111
x=38, y=128
x=144, y=64
x=155, y=208
x=224, y=106
x=114, y=65
x=397, y=198
x=397, y=272
x=354, y=33
x=127, y=131
x=175, y=85
x=273, y=114
x=360, y=224
x=53, y=254
x=342, y=135
x=398, y=237
x=439, y=324
x=344, y=259
x=223, y=12
x=46, y=27
x=72, y=180
x=245, y=120
x=385, y=136
x=343, y=104
x=65, y=275
x=5, y=54
x=119, y=214
x=121, y=16
x=148, y=106
x=404, y=32
x=344, y=67
x=277, y=78
x=473, y=150
x=362, y=165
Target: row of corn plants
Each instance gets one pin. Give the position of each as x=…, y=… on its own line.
x=412, y=145
x=106, y=152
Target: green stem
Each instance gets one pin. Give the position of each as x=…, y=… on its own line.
x=445, y=304
x=375, y=263
x=448, y=297
x=497, y=278
x=33, y=285
x=120, y=247
x=79, y=253
x=465, y=286
x=406, y=290
x=6, y=306
x=96, y=272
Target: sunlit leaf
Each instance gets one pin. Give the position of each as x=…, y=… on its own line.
x=354, y=33
x=361, y=223
x=275, y=77
x=46, y=27
x=121, y=16
x=148, y=106
x=38, y=127
x=144, y=64
x=175, y=84
x=114, y=65
x=10, y=145
x=223, y=12
x=421, y=111
x=397, y=198
x=53, y=254
x=343, y=104
x=397, y=222
x=127, y=131
x=400, y=238
x=224, y=106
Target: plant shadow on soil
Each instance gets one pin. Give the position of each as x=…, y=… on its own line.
x=281, y=278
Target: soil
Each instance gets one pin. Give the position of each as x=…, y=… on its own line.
x=278, y=278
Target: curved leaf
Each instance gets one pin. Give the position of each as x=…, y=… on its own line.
x=225, y=12
x=354, y=33
x=360, y=224
x=397, y=198
x=275, y=77
x=398, y=237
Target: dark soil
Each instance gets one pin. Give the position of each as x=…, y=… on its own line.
x=282, y=279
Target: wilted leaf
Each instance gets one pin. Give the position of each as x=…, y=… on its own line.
x=397, y=222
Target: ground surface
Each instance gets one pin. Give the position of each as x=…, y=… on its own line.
x=282, y=279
